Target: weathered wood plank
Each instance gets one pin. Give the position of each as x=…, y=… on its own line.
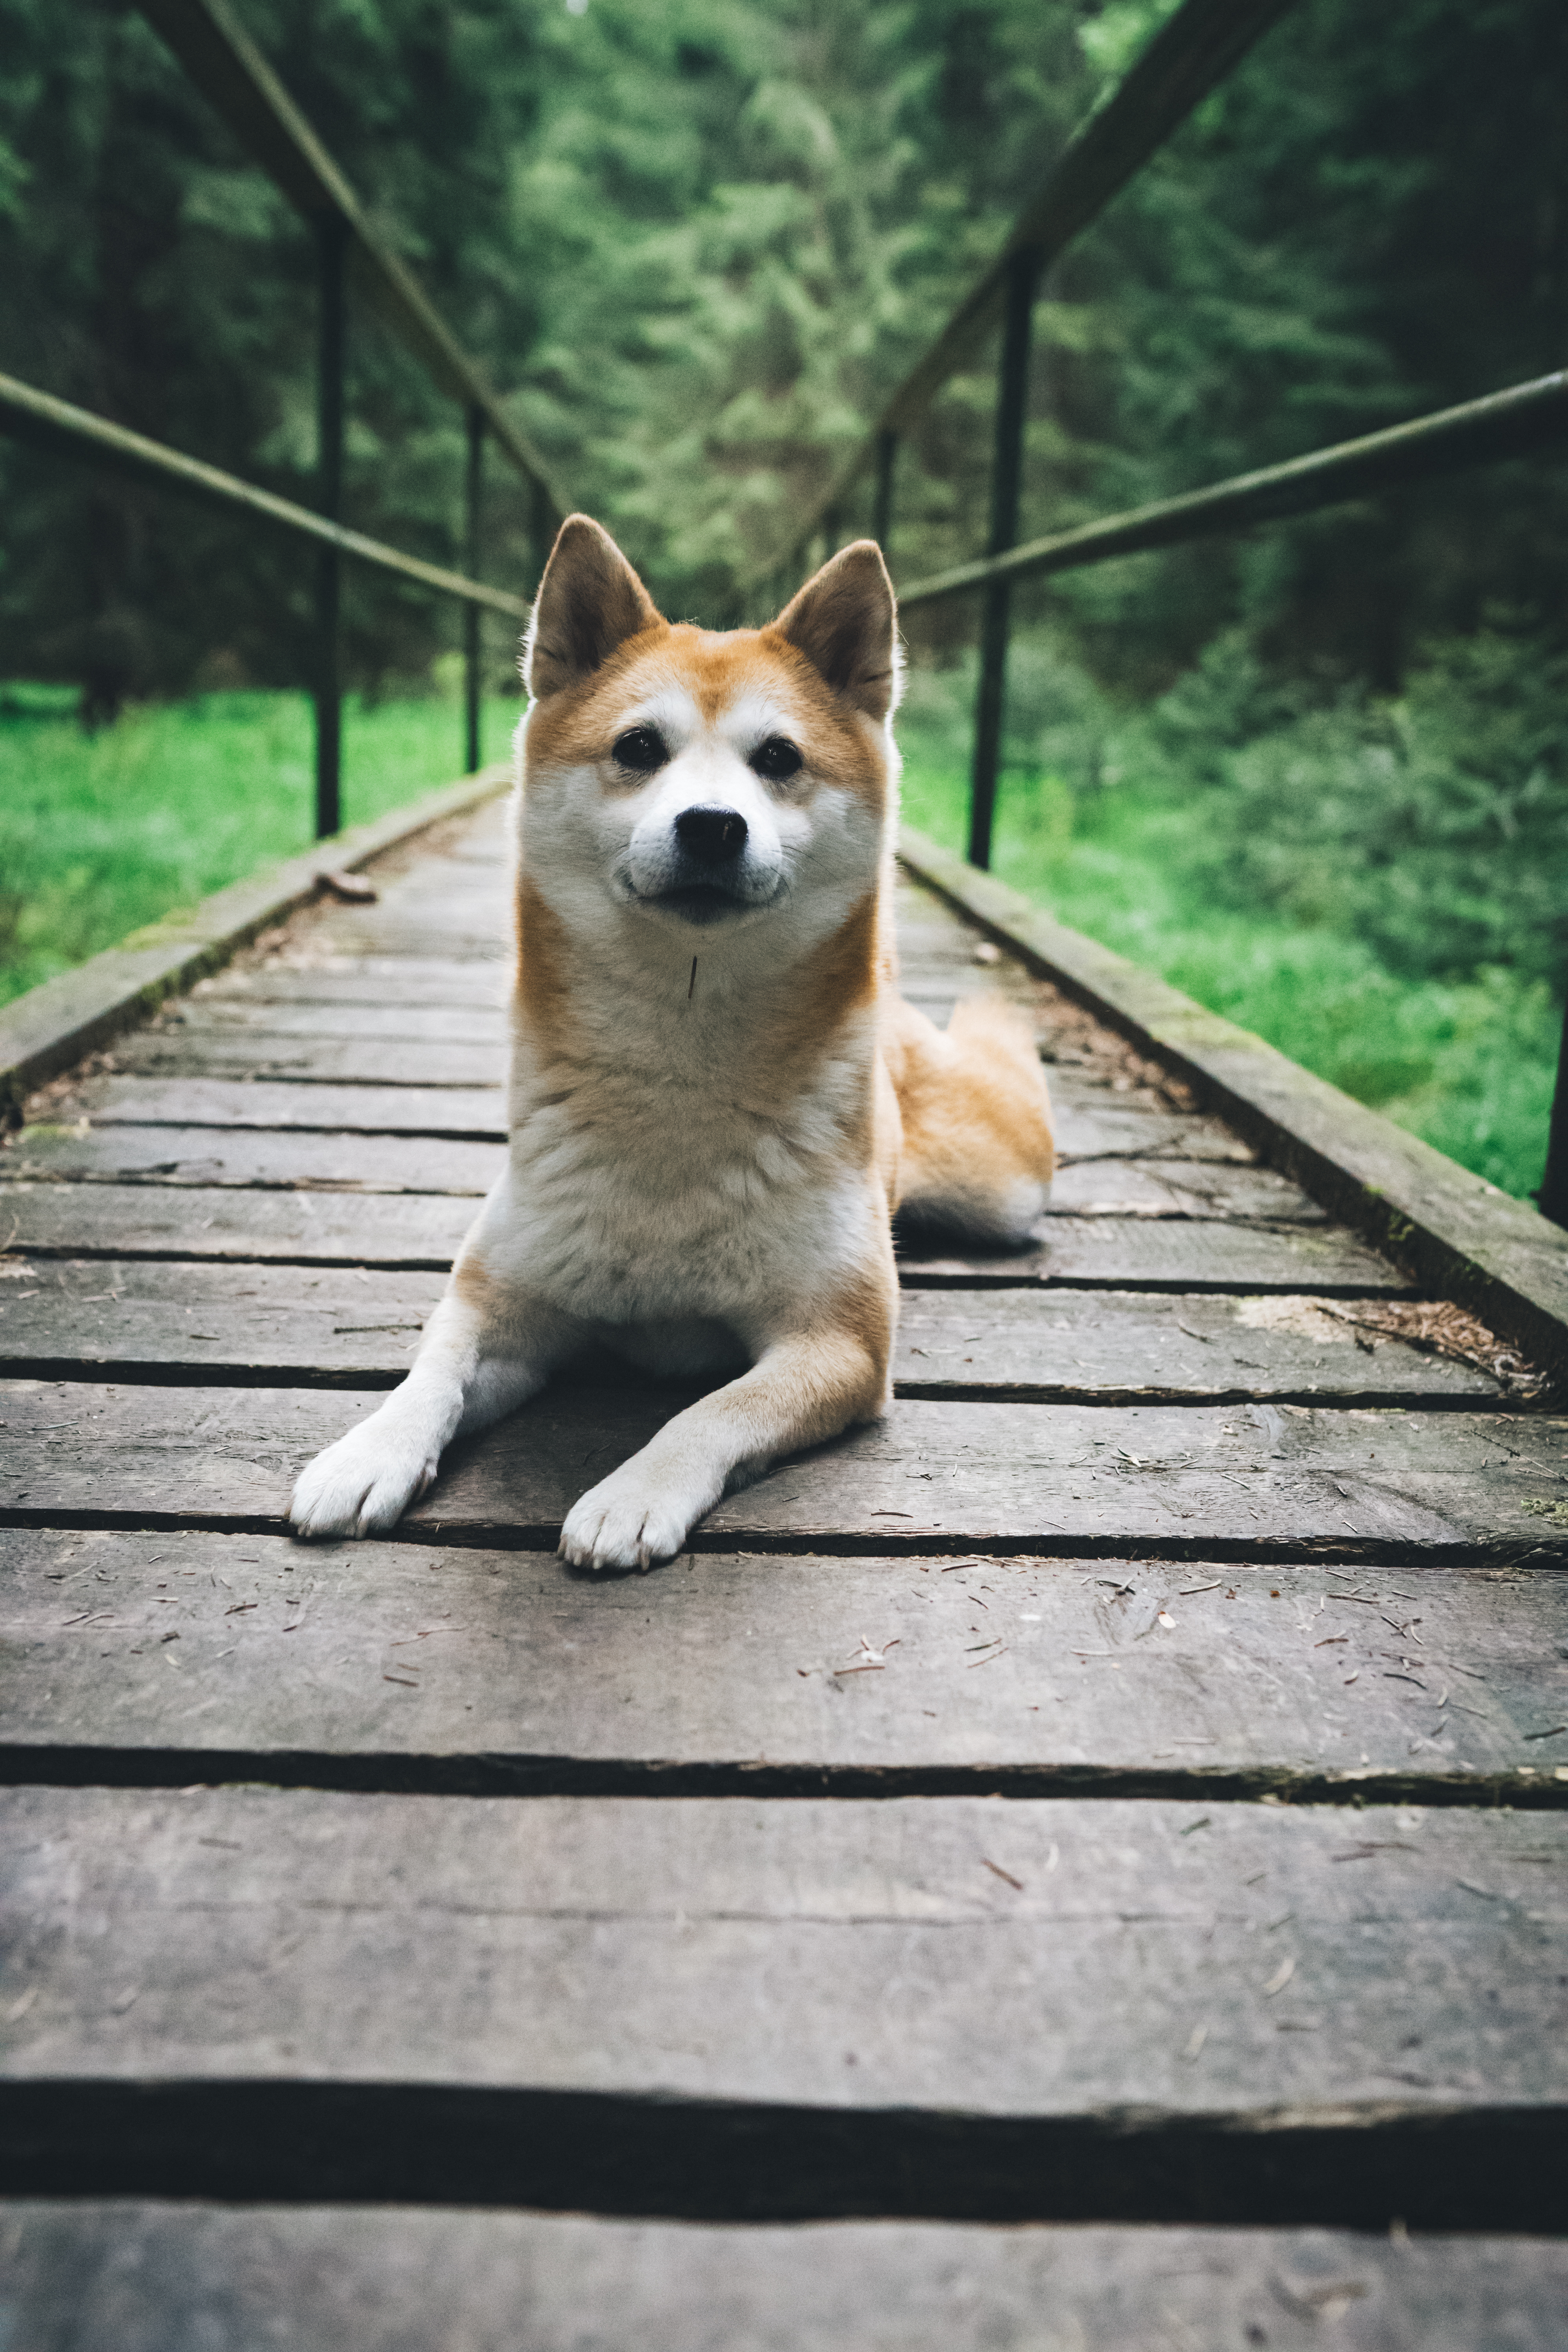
x=306, y=1060
x=410, y=1229
x=476, y=1112
x=415, y=1023
x=147, y=1317
x=1142, y=1188
x=376, y=1163
x=117, y=2277
x=426, y=1230
x=732, y=2007
x=1088, y=1127
x=1160, y=1254
x=1132, y=1346
x=1186, y=1482
x=305, y=979
x=289, y=1158
x=151, y=1318
x=168, y=1658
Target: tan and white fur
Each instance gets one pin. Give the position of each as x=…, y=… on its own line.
x=718, y=1099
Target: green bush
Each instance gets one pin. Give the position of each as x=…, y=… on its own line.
x=1374, y=886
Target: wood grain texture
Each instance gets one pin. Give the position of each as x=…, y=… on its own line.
x=420, y=1230
x=1187, y=1482
x=813, y=1972
x=298, y=976
x=1122, y=1187
x=267, y=1160
x=1159, y=1254
x=149, y=1316
x=1494, y=1255
x=183, y=1656
x=1090, y=1125
x=475, y=1112
x=341, y=1061
x=96, y=2277
x=406, y=1024
x=424, y=1230
x=153, y=1318
x=1132, y=1345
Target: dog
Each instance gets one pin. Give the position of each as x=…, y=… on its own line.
x=718, y=1099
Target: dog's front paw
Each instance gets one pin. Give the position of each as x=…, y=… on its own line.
x=363, y=1484
x=630, y=1521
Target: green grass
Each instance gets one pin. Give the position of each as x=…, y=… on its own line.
x=1468, y=1065
x=102, y=834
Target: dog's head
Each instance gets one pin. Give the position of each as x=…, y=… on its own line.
x=704, y=781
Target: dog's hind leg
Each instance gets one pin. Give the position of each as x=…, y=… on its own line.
x=978, y=1154
x=488, y=1347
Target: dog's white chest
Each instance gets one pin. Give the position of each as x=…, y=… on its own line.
x=640, y=1198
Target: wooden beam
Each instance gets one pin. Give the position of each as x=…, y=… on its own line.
x=39, y=416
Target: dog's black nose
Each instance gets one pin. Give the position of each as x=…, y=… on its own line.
x=714, y=834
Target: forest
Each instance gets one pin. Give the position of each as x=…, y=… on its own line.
x=1317, y=774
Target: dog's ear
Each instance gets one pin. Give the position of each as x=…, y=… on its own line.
x=589, y=602
x=844, y=622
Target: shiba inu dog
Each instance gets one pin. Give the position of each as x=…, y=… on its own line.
x=718, y=1100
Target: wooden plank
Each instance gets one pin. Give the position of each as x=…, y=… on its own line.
x=1159, y=1254
x=426, y=1229
x=142, y=1318
x=306, y=979
x=1087, y=1126
x=421, y=931
x=163, y=1659
x=126, y=2277
x=414, y=1023
x=306, y=1060
x=418, y=1163
x=1193, y=1482
x=1132, y=1346
x=479, y=1112
x=53, y=1026
x=734, y=2007
x=1141, y=1188
x=207, y=1156
x=1495, y=1256
x=421, y=1229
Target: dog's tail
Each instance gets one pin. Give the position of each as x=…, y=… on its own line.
x=978, y=1153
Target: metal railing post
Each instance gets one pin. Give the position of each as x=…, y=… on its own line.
x=882, y=504
x=1553, y=1197
x=330, y=241
x=472, y=638
x=1006, y=483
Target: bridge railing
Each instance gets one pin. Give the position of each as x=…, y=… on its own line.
x=231, y=73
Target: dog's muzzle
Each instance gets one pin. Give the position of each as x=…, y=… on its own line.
x=704, y=875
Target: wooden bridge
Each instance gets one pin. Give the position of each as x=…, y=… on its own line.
x=1081, y=1863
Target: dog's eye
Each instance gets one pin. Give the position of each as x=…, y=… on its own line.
x=642, y=748
x=776, y=758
